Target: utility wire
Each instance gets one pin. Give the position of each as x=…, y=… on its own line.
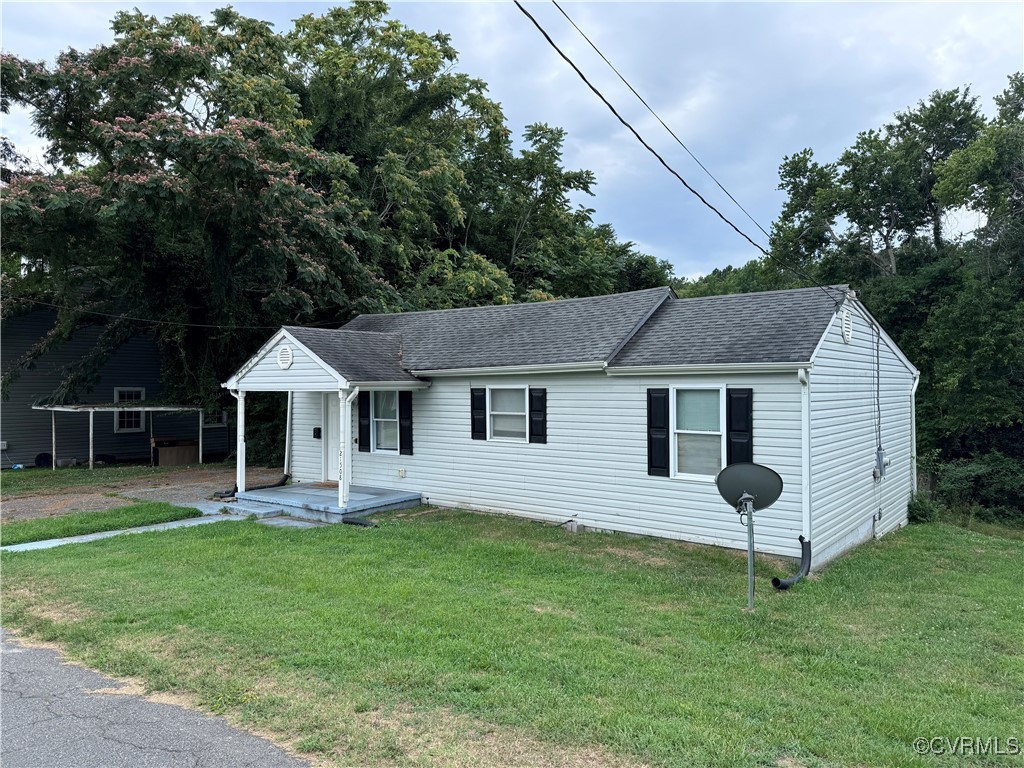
x=658, y=118
x=633, y=130
x=661, y=160
x=166, y=322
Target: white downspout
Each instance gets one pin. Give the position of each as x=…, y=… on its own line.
x=913, y=432
x=346, y=451
x=239, y=441
x=288, y=437
x=805, y=449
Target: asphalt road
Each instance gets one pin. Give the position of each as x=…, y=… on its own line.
x=55, y=715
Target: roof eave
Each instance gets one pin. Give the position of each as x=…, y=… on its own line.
x=647, y=370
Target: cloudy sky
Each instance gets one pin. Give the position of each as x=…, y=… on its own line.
x=743, y=84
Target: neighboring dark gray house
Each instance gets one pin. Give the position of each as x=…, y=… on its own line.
x=131, y=373
x=613, y=412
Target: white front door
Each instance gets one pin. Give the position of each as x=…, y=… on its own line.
x=332, y=440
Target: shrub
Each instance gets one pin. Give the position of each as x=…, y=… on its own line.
x=992, y=481
x=922, y=509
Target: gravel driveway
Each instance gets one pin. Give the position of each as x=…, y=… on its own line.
x=185, y=488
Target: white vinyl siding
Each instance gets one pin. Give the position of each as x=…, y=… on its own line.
x=305, y=374
x=844, y=496
x=506, y=413
x=594, y=465
x=307, y=452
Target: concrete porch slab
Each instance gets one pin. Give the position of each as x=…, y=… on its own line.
x=316, y=502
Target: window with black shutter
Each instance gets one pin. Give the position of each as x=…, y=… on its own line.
x=364, y=421
x=538, y=415
x=658, y=432
x=739, y=417
x=405, y=423
x=478, y=413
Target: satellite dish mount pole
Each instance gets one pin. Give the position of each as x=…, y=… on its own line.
x=746, y=510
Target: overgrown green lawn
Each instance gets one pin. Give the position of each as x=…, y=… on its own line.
x=79, y=523
x=22, y=482
x=356, y=643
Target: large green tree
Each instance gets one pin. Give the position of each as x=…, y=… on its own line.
x=876, y=217
x=217, y=178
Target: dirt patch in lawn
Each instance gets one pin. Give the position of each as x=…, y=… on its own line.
x=638, y=556
x=34, y=507
x=184, y=488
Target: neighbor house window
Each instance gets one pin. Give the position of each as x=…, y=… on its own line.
x=698, y=432
x=384, y=415
x=215, y=419
x=506, y=413
x=129, y=421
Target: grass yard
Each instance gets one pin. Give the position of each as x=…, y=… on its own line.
x=36, y=480
x=79, y=523
x=450, y=638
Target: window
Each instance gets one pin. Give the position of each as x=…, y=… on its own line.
x=698, y=432
x=129, y=421
x=385, y=422
x=506, y=413
x=215, y=419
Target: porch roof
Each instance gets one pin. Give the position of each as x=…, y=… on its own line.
x=359, y=356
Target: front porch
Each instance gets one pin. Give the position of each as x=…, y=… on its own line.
x=319, y=501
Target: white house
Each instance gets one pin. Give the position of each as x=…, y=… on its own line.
x=615, y=412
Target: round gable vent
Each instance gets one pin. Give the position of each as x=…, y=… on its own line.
x=284, y=357
x=847, y=326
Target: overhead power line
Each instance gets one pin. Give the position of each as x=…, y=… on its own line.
x=660, y=159
x=633, y=130
x=658, y=118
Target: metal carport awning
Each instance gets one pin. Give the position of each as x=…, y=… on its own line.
x=131, y=405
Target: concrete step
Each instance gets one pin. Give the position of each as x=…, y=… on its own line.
x=256, y=509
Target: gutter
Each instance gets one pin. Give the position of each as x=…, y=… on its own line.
x=646, y=370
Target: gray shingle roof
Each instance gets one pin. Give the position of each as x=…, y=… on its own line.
x=359, y=357
x=770, y=327
x=543, y=333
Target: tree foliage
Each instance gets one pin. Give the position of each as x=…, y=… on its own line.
x=878, y=218
x=216, y=178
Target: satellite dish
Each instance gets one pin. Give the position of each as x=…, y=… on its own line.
x=759, y=481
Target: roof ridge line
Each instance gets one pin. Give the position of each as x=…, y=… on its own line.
x=514, y=304
x=670, y=295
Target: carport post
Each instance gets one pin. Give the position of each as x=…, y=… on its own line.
x=91, y=414
x=240, y=444
x=53, y=440
x=200, y=436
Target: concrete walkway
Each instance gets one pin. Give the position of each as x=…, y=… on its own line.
x=57, y=715
x=49, y=543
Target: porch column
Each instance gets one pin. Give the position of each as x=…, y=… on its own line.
x=288, y=437
x=345, y=469
x=200, y=437
x=343, y=440
x=240, y=445
x=91, y=414
x=53, y=439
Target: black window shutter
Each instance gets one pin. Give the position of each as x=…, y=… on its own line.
x=478, y=413
x=364, y=422
x=538, y=415
x=657, y=432
x=405, y=423
x=739, y=418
